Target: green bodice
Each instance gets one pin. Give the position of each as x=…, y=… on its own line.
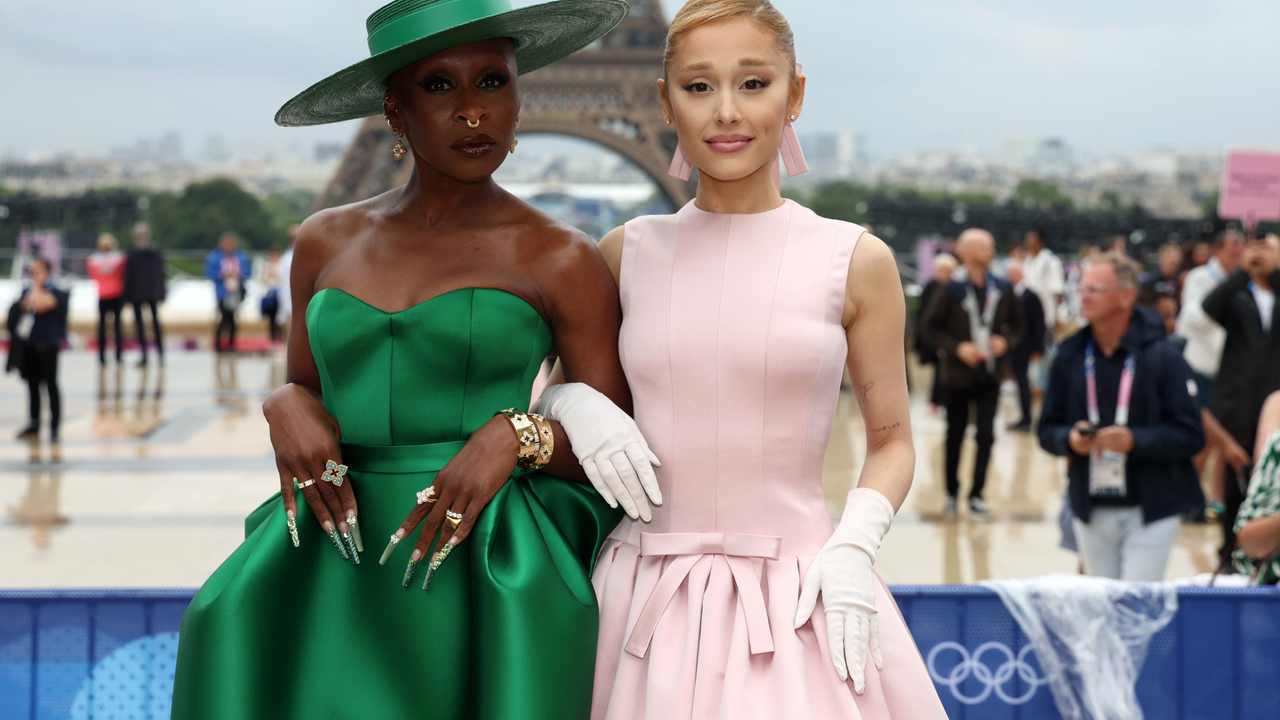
x=432, y=373
x=508, y=628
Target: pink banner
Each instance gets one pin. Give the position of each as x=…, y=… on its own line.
x=1250, y=188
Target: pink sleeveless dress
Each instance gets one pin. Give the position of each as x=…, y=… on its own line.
x=732, y=342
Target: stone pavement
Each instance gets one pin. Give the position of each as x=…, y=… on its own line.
x=157, y=468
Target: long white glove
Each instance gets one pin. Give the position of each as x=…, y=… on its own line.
x=842, y=571
x=608, y=444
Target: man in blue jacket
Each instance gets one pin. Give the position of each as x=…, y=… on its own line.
x=1121, y=406
x=228, y=267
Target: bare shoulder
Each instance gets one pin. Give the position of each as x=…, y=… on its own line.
x=873, y=278
x=611, y=249
x=1271, y=410
x=324, y=233
x=561, y=251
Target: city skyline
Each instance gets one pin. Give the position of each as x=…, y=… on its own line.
x=1106, y=77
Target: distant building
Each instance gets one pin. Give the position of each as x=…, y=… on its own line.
x=593, y=216
x=326, y=150
x=839, y=154
x=169, y=149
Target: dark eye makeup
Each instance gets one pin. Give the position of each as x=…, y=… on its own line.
x=436, y=82
x=439, y=82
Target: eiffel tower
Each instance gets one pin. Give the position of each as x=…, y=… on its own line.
x=606, y=93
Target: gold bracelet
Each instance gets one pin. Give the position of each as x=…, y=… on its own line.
x=526, y=433
x=546, y=441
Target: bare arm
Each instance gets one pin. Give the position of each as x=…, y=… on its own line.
x=1261, y=537
x=611, y=248
x=875, y=320
x=586, y=318
x=41, y=301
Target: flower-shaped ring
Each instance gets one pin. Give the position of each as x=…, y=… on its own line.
x=427, y=496
x=334, y=473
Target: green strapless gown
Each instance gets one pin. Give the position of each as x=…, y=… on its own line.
x=508, y=628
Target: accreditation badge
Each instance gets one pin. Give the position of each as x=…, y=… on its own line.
x=1106, y=474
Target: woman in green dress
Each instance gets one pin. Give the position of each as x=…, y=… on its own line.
x=421, y=314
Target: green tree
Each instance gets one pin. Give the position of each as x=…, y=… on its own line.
x=288, y=208
x=1209, y=205
x=1111, y=202
x=1041, y=194
x=204, y=211
x=840, y=200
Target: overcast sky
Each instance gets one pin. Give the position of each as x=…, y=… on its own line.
x=1106, y=75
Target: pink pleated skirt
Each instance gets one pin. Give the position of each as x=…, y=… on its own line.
x=697, y=646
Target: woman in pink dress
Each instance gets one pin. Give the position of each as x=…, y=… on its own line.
x=737, y=600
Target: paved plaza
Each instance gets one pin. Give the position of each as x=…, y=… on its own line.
x=157, y=468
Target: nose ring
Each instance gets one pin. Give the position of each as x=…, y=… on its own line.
x=474, y=125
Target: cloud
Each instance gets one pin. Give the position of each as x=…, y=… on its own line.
x=1108, y=75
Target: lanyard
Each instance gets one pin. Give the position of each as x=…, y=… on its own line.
x=1213, y=272
x=987, y=314
x=1091, y=388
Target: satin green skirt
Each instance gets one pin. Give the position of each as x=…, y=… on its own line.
x=507, y=630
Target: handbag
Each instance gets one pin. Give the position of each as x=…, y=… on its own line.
x=270, y=303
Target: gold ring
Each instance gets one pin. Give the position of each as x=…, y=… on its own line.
x=473, y=127
x=308, y=483
x=454, y=518
x=428, y=495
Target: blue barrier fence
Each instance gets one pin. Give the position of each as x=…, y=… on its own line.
x=101, y=655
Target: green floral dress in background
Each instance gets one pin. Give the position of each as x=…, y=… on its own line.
x=1262, y=501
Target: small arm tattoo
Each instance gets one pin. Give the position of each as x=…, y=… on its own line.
x=864, y=390
x=882, y=428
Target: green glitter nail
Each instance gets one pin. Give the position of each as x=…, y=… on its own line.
x=436, y=562
x=333, y=536
x=351, y=547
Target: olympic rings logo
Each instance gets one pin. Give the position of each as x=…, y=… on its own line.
x=994, y=679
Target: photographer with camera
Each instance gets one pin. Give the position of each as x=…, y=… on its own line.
x=1120, y=404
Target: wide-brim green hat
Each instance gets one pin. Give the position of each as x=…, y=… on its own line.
x=406, y=31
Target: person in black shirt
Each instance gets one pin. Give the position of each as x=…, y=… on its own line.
x=1245, y=306
x=1032, y=345
x=973, y=322
x=943, y=266
x=46, y=306
x=144, y=286
x=1130, y=472
x=1164, y=283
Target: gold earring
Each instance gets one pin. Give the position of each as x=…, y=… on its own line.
x=398, y=151
x=514, y=143
x=518, y=121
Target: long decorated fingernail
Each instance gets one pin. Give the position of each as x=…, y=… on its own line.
x=333, y=536
x=436, y=562
x=391, y=546
x=351, y=547
x=293, y=527
x=355, y=530
x=413, y=565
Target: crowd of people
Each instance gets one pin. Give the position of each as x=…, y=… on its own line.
x=37, y=322
x=1151, y=381
x=136, y=278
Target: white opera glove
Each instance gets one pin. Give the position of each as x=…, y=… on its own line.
x=842, y=571
x=608, y=444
